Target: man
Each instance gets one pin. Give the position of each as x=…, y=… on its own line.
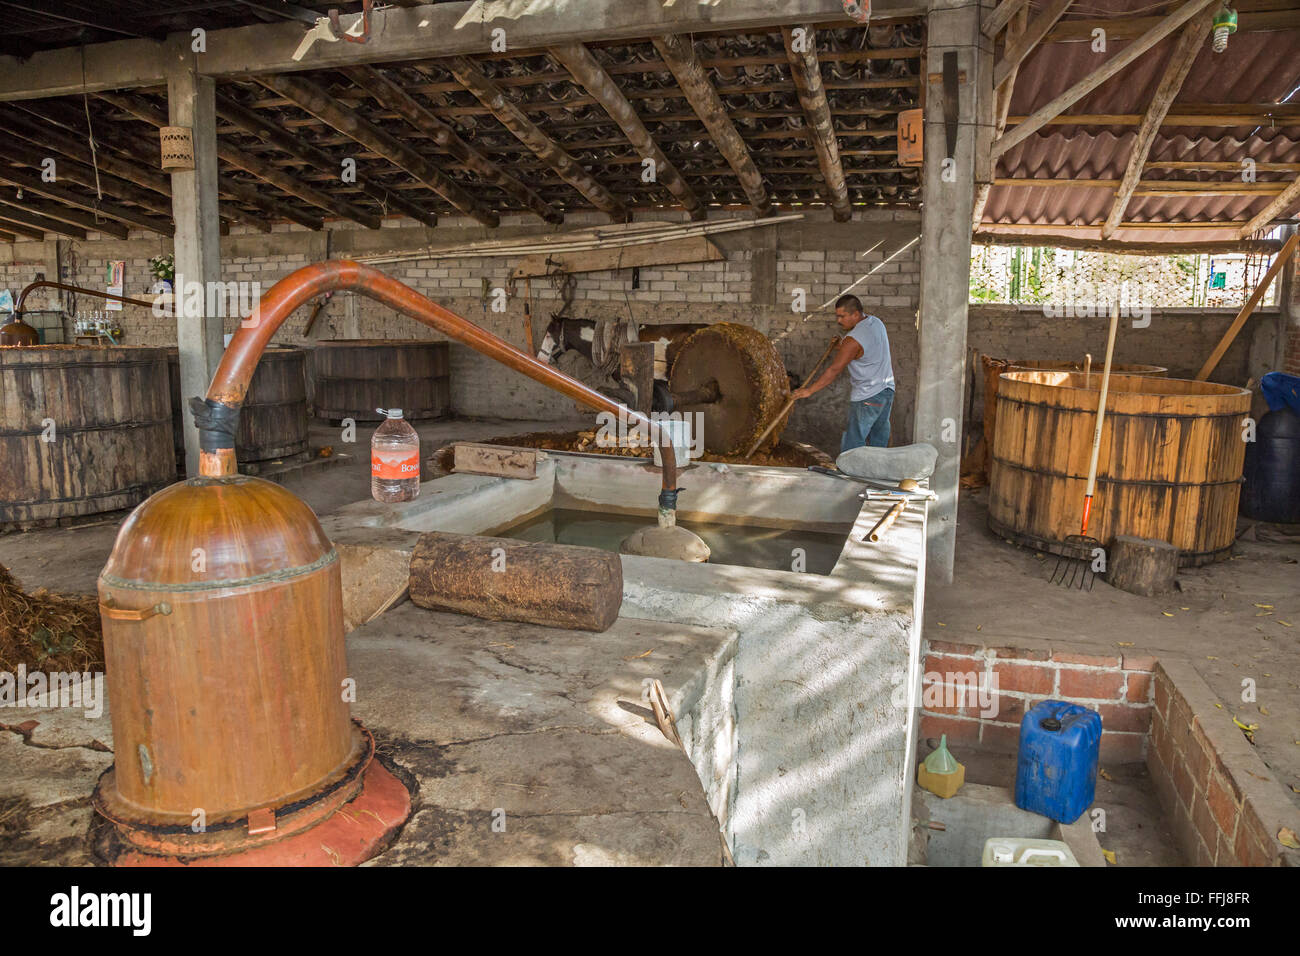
x=865, y=353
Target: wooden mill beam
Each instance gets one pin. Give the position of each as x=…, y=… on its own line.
x=391, y=96
x=586, y=69
x=260, y=168
x=247, y=120
x=807, y=75
x=1113, y=65
x=316, y=101
x=1016, y=51
x=679, y=55
x=530, y=134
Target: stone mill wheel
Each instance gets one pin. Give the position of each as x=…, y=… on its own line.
x=733, y=375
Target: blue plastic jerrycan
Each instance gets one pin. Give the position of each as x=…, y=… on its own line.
x=1056, y=772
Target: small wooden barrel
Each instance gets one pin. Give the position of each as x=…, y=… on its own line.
x=354, y=377
x=105, y=409
x=1169, y=467
x=501, y=579
x=273, y=421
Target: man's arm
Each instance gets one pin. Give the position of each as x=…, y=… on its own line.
x=848, y=351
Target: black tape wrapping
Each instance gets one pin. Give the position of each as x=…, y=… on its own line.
x=217, y=422
x=668, y=499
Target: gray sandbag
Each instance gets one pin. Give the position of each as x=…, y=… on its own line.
x=889, y=464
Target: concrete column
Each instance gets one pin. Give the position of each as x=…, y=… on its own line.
x=948, y=195
x=191, y=102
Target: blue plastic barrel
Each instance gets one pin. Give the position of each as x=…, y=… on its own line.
x=1056, y=772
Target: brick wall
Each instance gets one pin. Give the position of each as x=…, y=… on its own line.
x=1225, y=806
x=1118, y=686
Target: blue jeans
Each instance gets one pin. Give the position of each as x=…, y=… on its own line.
x=869, y=422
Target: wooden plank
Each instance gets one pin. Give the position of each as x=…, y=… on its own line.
x=1184, y=54
x=499, y=461
x=1112, y=66
x=1023, y=45
x=1261, y=246
x=1229, y=336
x=807, y=75
x=694, y=249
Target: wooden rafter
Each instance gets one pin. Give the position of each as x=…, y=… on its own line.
x=1001, y=107
x=679, y=55
x=69, y=206
x=261, y=169
x=303, y=151
x=140, y=154
x=1260, y=246
x=807, y=75
x=37, y=215
x=1025, y=43
x=587, y=71
x=531, y=135
x=20, y=223
x=1112, y=66
x=1001, y=16
x=71, y=171
x=393, y=97
x=1284, y=201
x=315, y=100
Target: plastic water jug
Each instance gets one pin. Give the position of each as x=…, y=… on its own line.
x=1019, y=851
x=1056, y=772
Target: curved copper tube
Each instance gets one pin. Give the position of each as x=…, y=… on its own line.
x=230, y=383
x=48, y=284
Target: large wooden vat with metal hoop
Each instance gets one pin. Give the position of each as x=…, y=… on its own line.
x=82, y=431
x=1169, y=466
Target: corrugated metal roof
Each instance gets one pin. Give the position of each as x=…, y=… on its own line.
x=1257, y=68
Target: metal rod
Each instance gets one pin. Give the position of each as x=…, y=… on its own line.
x=49, y=284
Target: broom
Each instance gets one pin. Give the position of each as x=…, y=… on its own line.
x=1074, y=566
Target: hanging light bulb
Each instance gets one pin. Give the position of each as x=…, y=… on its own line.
x=1225, y=23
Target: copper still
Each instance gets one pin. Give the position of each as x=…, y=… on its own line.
x=222, y=611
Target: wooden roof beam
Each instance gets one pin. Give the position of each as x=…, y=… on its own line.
x=295, y=146
x=1284, y=201
x=679, y=55
x=16, y=220
x=69, y=170
x=807, y=75
x=316, y=101
x=1016, y=51
x=530, y=134
x=391, y=96
x=1001, y=16
x=586, y=69
x=1185, y=52
x=1001, y=107
x=254, y=166
x=69, y=205
x=1113, y=65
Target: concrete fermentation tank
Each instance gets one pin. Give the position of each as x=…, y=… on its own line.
x=1170, y=463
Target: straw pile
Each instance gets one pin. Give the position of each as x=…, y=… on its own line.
x=48, y=631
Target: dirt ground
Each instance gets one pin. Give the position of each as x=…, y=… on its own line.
x=1233, y=620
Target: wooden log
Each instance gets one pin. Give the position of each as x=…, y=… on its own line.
x=500, y=579
x=1141, y=565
